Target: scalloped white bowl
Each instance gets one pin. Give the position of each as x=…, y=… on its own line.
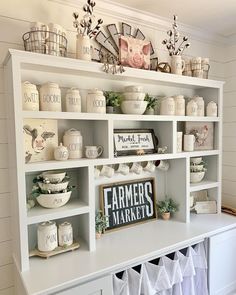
x=196, y=176
x=196, y=161
x=54, y=176
x=134, y=96
x=53, y=200
x=53, y=187
x=133, y=107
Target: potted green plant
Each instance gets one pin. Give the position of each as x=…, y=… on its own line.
x=166, y=207
x=113, y=100
x=100, y=223
x=151, y=103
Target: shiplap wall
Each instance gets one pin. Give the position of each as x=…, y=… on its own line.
x=15, y=17
x=229, y=130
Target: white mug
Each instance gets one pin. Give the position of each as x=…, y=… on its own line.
x=149, y=166
x=136, y=168
x=107, y=171
x=162, y=165
x=177, y=64
x=123, y=169
x=93, y=152
x=189, y=140
x=179, y=141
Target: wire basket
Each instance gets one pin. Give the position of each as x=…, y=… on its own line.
x=45, y=42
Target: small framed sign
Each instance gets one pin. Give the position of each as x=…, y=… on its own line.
x=134, y=142
x=127, y=203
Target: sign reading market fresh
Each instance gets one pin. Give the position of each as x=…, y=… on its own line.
x=126, y=203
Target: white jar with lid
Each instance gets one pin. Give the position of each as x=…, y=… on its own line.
x=168, y=106
x=200, y=105
x=30, y=97
x=47, y=236
x=61, y=153
x=192, y=108
x=73, y=140
x=211, y=109
x=73, y=100
x=179, y=105
x=96, y=102
x=65, y=234
x=50, y=97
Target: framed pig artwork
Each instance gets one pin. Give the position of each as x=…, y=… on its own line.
x=40, y=139
x=134, y=53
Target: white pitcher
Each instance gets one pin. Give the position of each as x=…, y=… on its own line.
x=177, y=64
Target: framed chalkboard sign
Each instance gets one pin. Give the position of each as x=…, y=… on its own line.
x=134, y=142
x=127, y=203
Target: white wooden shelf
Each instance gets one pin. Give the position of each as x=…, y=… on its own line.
x=204, y=184
x=72, y=208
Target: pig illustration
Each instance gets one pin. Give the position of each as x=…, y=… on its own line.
x=134, y=53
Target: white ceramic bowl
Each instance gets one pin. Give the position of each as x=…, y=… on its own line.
x=134, y=88
x=196, y=176
x=133, y=107
x=53, y=176
x=134, y=96
x=53, y=187
x=196, y=161
x=53, y=200
x=196, y=168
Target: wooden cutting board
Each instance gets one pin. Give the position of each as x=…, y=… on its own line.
x=228, y=209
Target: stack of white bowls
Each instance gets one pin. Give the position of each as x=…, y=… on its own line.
x=133, y=102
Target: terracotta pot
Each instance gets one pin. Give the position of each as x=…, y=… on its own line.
x=98, y=235
x=166, y=215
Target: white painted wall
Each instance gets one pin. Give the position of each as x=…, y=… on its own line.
x=15, y=16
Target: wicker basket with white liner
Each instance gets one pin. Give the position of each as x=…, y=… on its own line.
x=50, y=194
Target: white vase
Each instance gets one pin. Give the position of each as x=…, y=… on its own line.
x=189, y=140
x=177, y=64
x=83, y=48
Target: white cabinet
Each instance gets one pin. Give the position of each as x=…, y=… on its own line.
x=98, y=129
x=222, y=263
x=102, y=286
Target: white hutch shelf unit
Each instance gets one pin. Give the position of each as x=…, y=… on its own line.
x=97, y=129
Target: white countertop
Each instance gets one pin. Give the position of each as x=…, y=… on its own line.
x=119, y=250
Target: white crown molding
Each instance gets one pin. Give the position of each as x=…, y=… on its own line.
x=125, y=13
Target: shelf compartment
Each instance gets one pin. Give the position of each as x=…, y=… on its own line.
x=204, y=184
x=40, y=214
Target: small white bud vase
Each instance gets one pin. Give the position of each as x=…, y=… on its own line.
x=96, y=102
x=192, y=108
x=61, y=153
x=47, y=236
x=73, y=140
x=65, y=234
x=73, y=100
x=83, y=48
x=200, y=105
x=50, y=97
x=179, y=105
x=167, y=106
x=30, y=97
x=211, y=109
x=177, y=64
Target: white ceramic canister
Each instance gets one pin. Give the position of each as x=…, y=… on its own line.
x=73, y=100
x=200, y=105
x=211, y=109
x=47, y=236
x=189, y=140
x=50, y=97
x=61, y=153
x=168, y=106
x=73, y=140
x=30, y=97
x=192, y=108
x=96, y=102
x=179, y=105
x=65, y=234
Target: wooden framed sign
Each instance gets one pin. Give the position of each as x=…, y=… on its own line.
x=134, y=142
x=127, y=203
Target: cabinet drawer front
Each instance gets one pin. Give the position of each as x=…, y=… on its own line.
x=102, y=286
